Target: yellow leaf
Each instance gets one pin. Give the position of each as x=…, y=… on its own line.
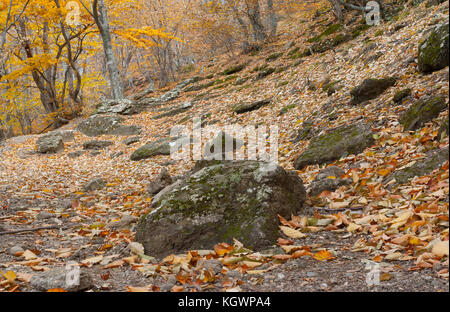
x=289, y=232
x=10, y=276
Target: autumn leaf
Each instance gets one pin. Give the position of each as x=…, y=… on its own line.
x=292, y=233
x=323, y=255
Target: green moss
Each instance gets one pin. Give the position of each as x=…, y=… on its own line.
x=233, y=69
x=328, y=31
x=287, y=108
x=379, y=33
x=360, y=29
x=423, y=111
x=282, y=83
x=273, y=57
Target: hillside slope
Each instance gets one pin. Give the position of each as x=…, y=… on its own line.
x=401, y=224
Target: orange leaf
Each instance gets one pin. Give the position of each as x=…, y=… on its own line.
x=323, y=255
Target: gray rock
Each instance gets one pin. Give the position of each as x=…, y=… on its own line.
x=43, y=215
x=97, y=125
x=131, y=140
x=219, y=202
x=338, y=143
x=423, y=111
x=370, y=89
x=421, y=168
x=59, y=278
x=162, y=180
x=50, y=144
x=328, y=179
x=434, y=51
x=248, y=107
x=214, y=265
x=117, y=154
x=96, y=145
x=15, y=250
x=94, y=185
x=159, y=147
x=122, y=107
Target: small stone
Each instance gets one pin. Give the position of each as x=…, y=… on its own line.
x=214, y=265
x=43, y=215
x=95, y=185
x=131, y=140
x=16, y=250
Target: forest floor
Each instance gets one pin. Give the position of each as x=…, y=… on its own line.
x=401, y=223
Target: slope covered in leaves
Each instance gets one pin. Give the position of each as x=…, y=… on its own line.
x=401, y=226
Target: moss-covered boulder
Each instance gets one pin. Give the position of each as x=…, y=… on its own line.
x=234, y=69
x=370, y=89
x=423, y=111
x=106, y=124
x=432, y=162
x=434, y=51
x=216, y=203
x=249, y=107
x=335, y=144
x=159, y=147
x=263, y=73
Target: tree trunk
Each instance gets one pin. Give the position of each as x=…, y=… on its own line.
x=271, y=19
x=254, y=15
x=101, y=19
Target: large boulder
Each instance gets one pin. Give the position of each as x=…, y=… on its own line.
x=434, y=51
x=423, y=111
x=370, y=89
x=432, y=162
x=219, y=201
x=97, y=125
x=48, y=144
x=335, y=144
